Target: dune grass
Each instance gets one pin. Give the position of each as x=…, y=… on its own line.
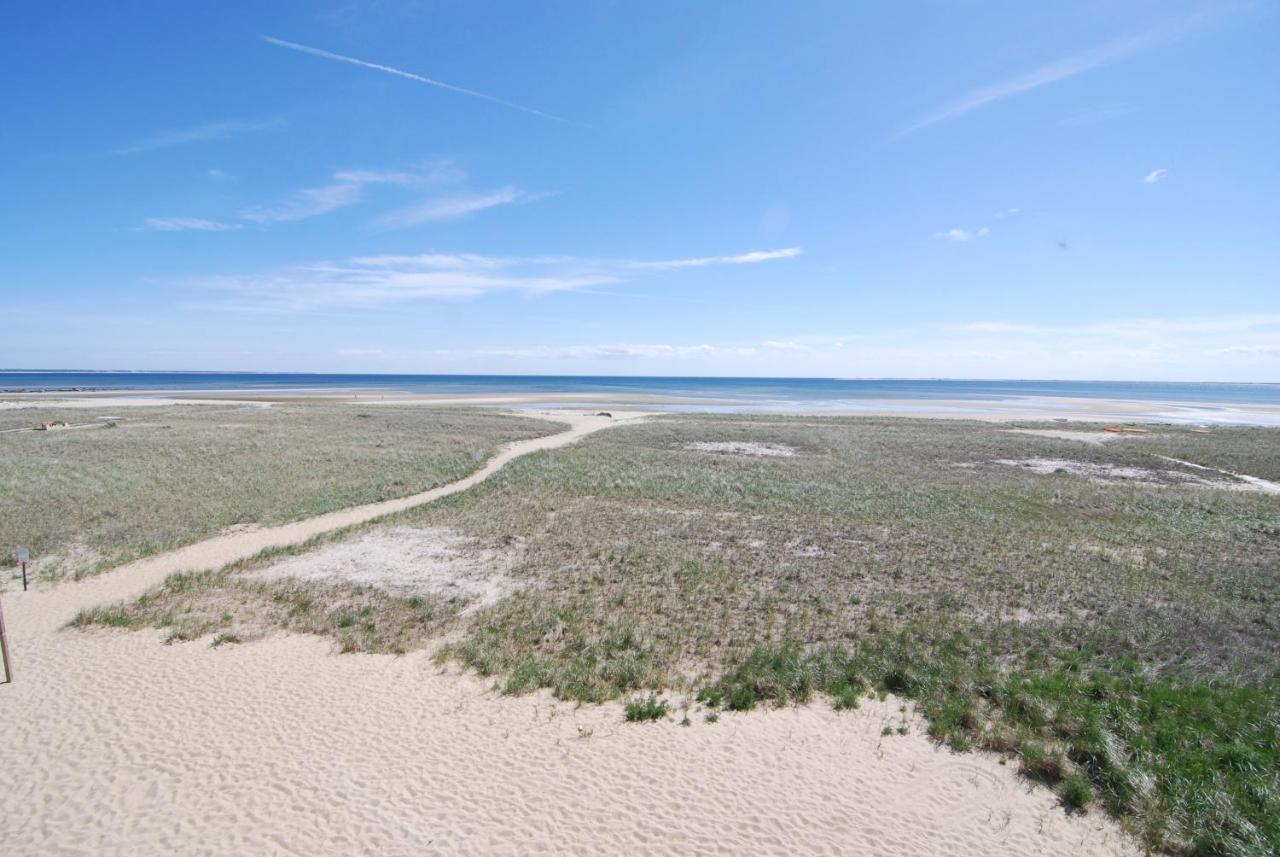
x=236, y=609
x=1120, y=642
x=91, y=498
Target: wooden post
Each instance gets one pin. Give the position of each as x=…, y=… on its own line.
x=4, y=650
x=24, y=577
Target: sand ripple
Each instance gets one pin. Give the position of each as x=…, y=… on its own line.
x=127, y=746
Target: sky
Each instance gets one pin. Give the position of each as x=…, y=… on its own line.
x=822, y=189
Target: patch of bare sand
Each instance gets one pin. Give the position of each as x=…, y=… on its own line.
x=407, y=561
x=739, y=447
x=1264, y=485
x=1120, y=473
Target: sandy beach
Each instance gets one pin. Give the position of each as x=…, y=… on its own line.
x=125, y=746
x=1063, y=408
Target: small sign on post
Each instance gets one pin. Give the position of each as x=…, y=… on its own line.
x=23, y=556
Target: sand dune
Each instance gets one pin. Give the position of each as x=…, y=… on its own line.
x=120, y=745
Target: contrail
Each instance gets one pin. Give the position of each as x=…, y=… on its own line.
x=294, y=46
x=1110, y=53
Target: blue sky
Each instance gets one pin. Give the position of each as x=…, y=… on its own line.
x=962, y=189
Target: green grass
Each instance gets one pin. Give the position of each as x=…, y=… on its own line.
x=644, y=709
x=1193, y=764
x=87, y=499
x=235, y=608
x=1121, y=642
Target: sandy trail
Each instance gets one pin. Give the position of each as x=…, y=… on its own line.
x=44, y=610
x=116, y=744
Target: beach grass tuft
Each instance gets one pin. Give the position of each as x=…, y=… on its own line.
x=645, y=708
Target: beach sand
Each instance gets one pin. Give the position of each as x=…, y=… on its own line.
x=1025, y=408
x=115, y=744
x=119, y=745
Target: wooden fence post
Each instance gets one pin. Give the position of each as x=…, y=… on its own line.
x=4, y=650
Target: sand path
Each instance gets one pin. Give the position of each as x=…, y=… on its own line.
x=46, y=609
x=114, y=744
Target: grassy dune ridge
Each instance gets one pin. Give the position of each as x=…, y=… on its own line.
x=1120, y=642
x=91, y=498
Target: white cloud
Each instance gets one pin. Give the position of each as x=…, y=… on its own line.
x=450, y=207
x=347, y=188
x=372, y=281
x=962, y=234
x=294, y=46
x=199, y=134
x=786, y=345
x=1106, y=54
x=1188, y=325
x=1155, y=176
x=185, y=224
x=308, y=202
x=1131, y=329
x=742, y=259
x=1252, y=350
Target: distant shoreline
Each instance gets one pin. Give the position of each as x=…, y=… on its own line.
x=1009, y=408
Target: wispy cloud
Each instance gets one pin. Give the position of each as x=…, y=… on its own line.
x=786, y=345
x=1251, y=350
x=186, y=224
x=1136, y=328
x=452, y=207
x=703, y=261
x=1155, y=176
x=329, y=55
x=962, y=234
x=1103, y=55
x=373, y=281
x=200, y=134
x=347, y=188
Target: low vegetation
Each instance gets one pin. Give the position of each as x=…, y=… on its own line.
x=235, y=609
x=85, y=499
x=1120, y=641
x=645, y=708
